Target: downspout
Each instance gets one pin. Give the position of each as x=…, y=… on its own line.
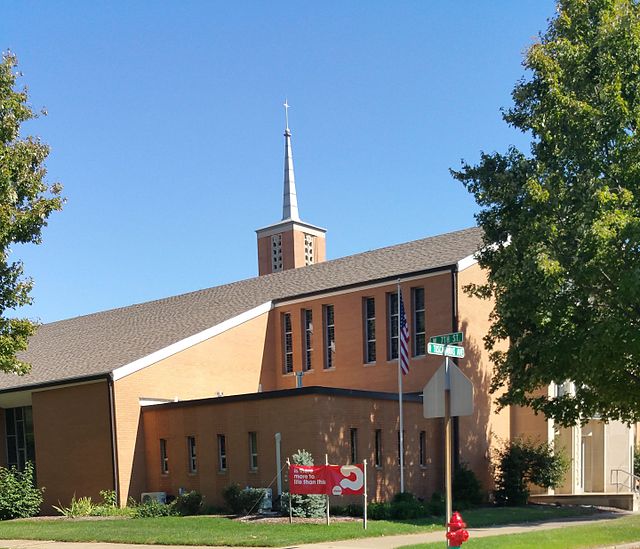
x=114, y=439
x=455, y=328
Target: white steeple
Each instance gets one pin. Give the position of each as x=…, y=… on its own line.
x=289, y=198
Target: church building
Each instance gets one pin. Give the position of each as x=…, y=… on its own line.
x=221, y=385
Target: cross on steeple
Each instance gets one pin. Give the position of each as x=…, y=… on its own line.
x=286, y=113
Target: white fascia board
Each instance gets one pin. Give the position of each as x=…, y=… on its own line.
x=190, y=341
x=467, y=262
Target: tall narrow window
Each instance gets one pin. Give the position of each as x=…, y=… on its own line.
x=19, y=434
x=329, y=337
x=369, y=330
x=191, y=454
x=377, y=456
x=222, y=453
x=307, y=319
x=164, y=458
x=287, y=343
x=276, y=253
x=253, y=450
x=423, y=448
x=353, y=445
x=419, y=326
x=309, y=253
x=392, y=329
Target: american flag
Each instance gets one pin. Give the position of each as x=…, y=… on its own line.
x=404, y=338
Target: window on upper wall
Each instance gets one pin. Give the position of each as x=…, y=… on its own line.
x=287, y=343
x=19, y=437
x=369, y=306
x=309, y=251
x=423, y=448
x=164, y=458
x=253, y=450
x=377, y=456
x=307, y=325
x=353, y=445
x=419, y=324
x=392, y=327
x=329, y=337
x=276, y=253
x=191, y=454
x=222, y=453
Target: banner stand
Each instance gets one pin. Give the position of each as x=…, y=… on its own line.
x=364, y=509
x=326, y=462
x=290, y=508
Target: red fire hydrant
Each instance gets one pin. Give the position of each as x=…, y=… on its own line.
x=456, y=533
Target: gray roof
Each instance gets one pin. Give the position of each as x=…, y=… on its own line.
x=101, y=342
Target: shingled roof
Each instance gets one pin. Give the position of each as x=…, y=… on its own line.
x=99, y=343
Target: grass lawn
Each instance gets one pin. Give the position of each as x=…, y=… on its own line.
x=223, y=531
x=621, y=530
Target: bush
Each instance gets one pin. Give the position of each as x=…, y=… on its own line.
x=153, y=508
x=437, y=506
x=81, y=507
x=19, y=496
x=350, y=510
x=405, y=505
x=524, y=462
x=242, y=501
x=467, y=490
x=379, y=510
x=188, y=504
x=304, y=505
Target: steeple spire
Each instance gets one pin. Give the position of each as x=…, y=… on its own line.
x=289, y=198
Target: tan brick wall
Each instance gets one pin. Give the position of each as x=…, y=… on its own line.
x=73, y=442
x=317, y=423
x=350, y=371
x=230, y=363
x=486, y=427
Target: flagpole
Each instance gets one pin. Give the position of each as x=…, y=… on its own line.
x=401, y=441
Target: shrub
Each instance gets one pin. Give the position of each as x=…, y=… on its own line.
x=188, y=504
x=242, y=501
x=19, y=496
x=522, y=462
x=81, y=507
x=405, y=505
x=467, y=490
x=437, y=505
x=153, y=508
x=350, y=510
x=379, y=510
x=304, y=505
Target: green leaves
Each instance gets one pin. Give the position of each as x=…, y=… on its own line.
x=562, y=225
x=26, y=201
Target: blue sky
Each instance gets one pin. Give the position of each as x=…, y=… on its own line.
x=165, y=123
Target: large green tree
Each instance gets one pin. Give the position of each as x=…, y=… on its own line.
x=562, y=222
x=26, y=201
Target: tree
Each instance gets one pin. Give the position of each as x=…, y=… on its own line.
x=562, y=224
x=26, y=201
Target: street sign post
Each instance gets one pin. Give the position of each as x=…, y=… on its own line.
x=448, y=393
x=445, y=350
x=448, y=339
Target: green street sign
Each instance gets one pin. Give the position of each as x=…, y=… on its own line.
x=446, y=350
x=448, y=339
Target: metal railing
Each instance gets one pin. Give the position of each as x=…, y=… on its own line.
x=629, y=481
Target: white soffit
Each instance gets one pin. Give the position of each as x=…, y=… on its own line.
x=467, y=262
x=190, y=341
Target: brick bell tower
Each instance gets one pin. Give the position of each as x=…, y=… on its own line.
x=291, y=242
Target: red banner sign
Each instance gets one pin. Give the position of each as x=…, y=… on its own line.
x=335, y=480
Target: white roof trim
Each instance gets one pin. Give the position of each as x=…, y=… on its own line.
x=190, y=341
x=467, y=262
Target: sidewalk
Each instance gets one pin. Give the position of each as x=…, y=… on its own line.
x=390, y=542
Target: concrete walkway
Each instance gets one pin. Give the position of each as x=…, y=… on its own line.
x=389, y=542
